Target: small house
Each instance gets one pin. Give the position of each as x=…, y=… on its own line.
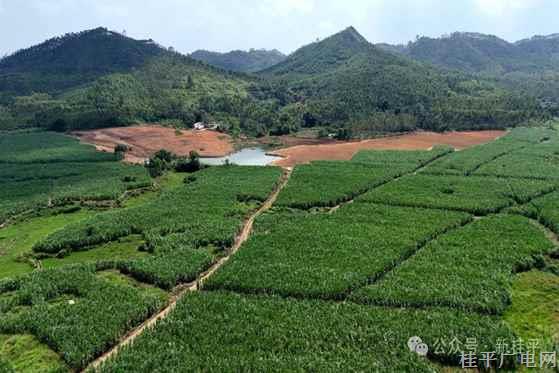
x=199, y=126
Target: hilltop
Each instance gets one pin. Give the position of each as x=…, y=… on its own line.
x=342, y=84
x=242, y=61
x=481, y=53
x=74, y=59
x=346, y=79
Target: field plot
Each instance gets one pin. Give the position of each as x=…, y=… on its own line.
x=181, y=228
x=474, y=194
x=544, y=209
x=229, y=332
x=45, y=169
x=47, y=147
x=329, y=183
x=327, y=255
x=470, y=160
x=416, y=158
x=533, y=162
x=468, y=268
x=17, y=240
x=74, y=311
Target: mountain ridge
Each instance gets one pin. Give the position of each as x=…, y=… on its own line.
x=250, y=61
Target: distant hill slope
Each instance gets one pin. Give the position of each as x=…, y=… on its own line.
x=344, y=78
x=73, y=59
x=343, y=84
x=480, y=53
x=530, y=65
x=242, y=61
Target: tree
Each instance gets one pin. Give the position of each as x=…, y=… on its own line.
x=189, y=82
x=190, y=164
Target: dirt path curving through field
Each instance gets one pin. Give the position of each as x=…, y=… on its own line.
x=182, y=290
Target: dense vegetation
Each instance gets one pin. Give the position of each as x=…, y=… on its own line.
x=72, y=60
x=74, y=311
x=346, y=79
x=327, y=255
x=468, y=268
x=242, y=61
x=44, y=169
x=529, y=64
x=475, y=194
x=312, y=288
x=324, y=183
x=222, y=331
x=343, y=84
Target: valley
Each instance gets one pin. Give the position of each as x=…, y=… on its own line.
x=349, y=206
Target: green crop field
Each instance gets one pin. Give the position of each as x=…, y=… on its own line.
x=474, y=194
x=324, y=184
x=469, y=268
x=40, y=169
x=335, y=274
x=327, y=255
x=229, y=332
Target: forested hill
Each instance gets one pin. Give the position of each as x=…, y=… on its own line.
x=530, y=66
x=324, y=55
x=73, y=59
x=242, y=61
x=474, y=52
x=342, y=84
x=346, y=79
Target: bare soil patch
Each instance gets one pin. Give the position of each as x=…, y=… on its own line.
x=414, y=141
x=145, y=140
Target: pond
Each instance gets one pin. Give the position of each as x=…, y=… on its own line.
x=243, y=157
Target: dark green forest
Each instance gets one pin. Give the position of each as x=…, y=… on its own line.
x=250, y=61
x=530, y=65
x=342, y=84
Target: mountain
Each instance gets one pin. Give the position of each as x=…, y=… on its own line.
x=242, y=61
x=488, y=54
x=541, y=48
x=343, y=83
x=530, y=66
x=346, y=80
x=99, y=78
x=322, y=56
x=73, y=59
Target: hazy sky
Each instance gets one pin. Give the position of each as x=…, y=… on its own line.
x=223, y=25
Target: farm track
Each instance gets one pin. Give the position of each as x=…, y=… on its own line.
x=182, y=290
x=551, y=236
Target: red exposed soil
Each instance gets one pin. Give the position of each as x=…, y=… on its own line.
x=414, y=141
x=145, y=140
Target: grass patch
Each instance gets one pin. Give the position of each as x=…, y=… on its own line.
x=18, y=239
x=534, y=312
x=119, y=279
x=26, y=353
x=123, y=249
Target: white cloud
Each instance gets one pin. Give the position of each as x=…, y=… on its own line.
x=500, y=7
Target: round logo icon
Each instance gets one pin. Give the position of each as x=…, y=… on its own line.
x=415, y=344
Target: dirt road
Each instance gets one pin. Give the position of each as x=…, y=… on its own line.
x=182, y=290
